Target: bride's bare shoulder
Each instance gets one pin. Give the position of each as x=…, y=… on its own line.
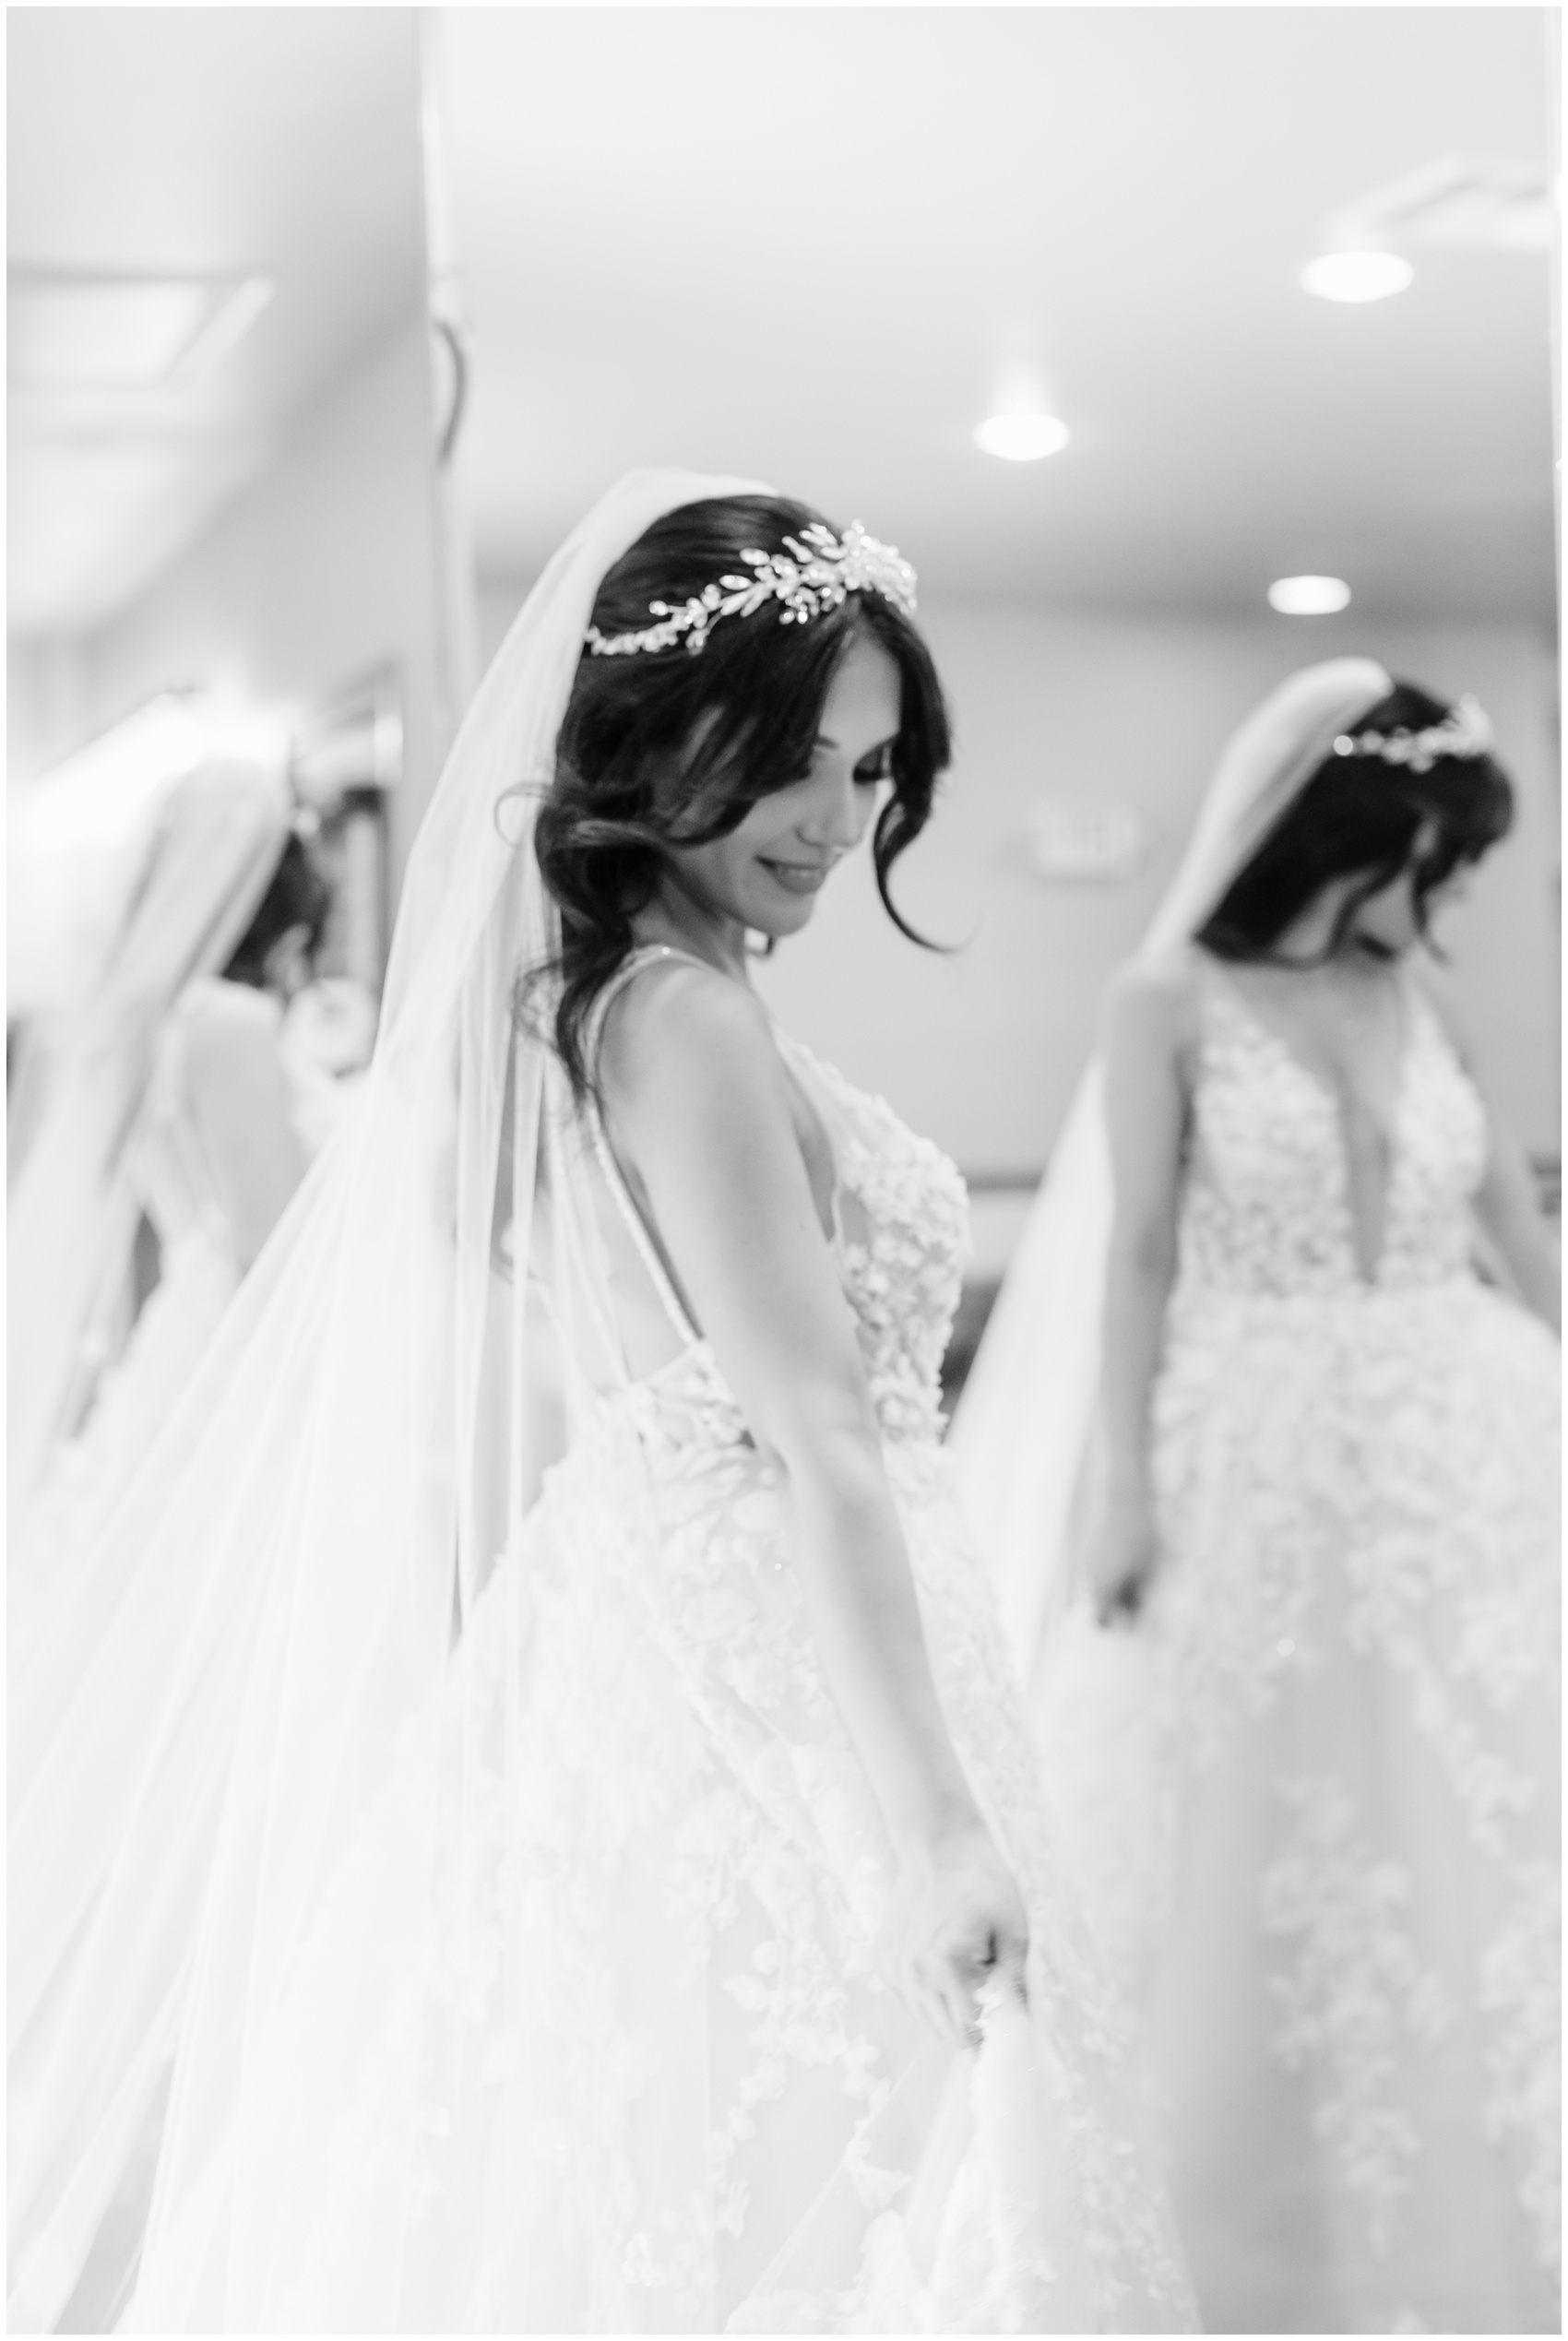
x=675, y=1019
x=1154, y=1001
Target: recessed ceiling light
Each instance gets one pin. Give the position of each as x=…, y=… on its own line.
x=1357, y=276
x=1309, y=597
x=1021, y=439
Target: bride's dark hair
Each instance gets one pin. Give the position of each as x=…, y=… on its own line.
x=673, y=747
x=298, y=896
x=1361, y=815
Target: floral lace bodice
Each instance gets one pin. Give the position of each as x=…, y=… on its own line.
x=1344, y=1690
x=902, y=1228
x=1266, y=1203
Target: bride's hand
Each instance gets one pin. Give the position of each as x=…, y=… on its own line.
x=1123, y=1561
x=954, y=1918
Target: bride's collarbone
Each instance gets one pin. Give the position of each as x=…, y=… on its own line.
x=1352, y=1037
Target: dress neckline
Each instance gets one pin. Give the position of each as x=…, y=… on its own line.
x=1366, y=1259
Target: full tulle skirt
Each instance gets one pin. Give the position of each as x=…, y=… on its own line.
x=629, y=2065
x=1313, y=1799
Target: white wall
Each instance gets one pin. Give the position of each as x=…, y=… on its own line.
x=45, y=706
x=320, y=571
x=982, y=1049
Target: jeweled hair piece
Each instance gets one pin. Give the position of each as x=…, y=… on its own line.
x=816, y=571
x=1465, y=731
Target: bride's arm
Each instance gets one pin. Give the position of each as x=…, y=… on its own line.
x=1504, y=1204
x=698, y=1102
x=1150, y=1025
x=1506, y=1207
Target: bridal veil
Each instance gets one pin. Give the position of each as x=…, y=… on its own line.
x=301, y=1547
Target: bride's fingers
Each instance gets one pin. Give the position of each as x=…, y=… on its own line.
x=957, y=2011
x=940, y=1983
x=1013, y=1962
x=936, y=2000
x=966, y=1974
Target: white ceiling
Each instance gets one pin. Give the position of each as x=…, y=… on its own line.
x=202, y=142
x=796, y=241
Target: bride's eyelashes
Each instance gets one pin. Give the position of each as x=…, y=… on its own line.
x=873, y=769
x=869, y=773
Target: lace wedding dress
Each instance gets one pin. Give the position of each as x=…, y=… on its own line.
x=655, y=2083
x=1312, y=1794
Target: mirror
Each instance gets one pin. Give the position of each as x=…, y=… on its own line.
x=229, y=688
x=222, y=402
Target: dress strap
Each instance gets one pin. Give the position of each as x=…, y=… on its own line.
x=1225, y=1011
x=1215, y=987
x=609, y=991
x=604, y=1154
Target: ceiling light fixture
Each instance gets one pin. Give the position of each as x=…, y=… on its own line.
x=1019, y=425
x=1357, y=276
x=1021, y=439
x=1309, y=597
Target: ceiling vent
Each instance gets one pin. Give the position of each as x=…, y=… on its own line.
x=1461, y=203
x=68, y=332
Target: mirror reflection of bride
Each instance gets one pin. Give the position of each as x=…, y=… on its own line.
x=182, y=1087
x=1306, y=1760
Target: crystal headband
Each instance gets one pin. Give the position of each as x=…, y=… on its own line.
x=1465, y=733
x=816, y=571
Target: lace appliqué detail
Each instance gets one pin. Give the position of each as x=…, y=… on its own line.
x=1266, y=1207
x=904, y=1244
x=1521, y=1977
x=1355, y=1991
x=1355, y=1623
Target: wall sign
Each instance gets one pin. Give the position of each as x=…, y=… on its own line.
x=1083, y=840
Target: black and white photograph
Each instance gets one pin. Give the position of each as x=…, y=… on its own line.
x=783, y=1151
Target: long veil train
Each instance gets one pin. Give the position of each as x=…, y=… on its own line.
x=295, y=1549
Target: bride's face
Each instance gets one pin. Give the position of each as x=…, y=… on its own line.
x=1387, y=920
x=767, y=873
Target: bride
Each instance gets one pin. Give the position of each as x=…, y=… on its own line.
x=1308, y=1781
x=103, y=1043
x=193, y=1049
x=635, y=1914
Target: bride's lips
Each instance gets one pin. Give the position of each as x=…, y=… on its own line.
x=796, y=877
